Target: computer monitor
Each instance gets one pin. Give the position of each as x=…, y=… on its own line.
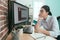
x=18, y=13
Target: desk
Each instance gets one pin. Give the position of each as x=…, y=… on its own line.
x=23, y=37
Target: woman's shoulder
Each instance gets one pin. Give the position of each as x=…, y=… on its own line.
x=53, y=17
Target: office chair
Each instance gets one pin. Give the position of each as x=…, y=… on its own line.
x=58, y=18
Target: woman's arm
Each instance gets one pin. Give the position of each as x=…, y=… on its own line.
x=40, y=30
x=43, y=31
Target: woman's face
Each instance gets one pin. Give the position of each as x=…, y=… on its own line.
x=43, y=13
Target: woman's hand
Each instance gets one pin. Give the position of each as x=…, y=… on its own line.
x=38, y=29
x=37, y=26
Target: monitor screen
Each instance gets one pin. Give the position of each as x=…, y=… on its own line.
x=20, y=13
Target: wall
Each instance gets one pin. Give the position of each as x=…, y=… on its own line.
x=3, y=19
x=25, y=2
x=54, y=6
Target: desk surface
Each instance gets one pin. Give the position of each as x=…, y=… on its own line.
x=23, y=37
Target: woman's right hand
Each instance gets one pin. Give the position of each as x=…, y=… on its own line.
x=40, y=17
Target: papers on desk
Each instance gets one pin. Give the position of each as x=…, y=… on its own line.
x=49, y=38
x=40, y=36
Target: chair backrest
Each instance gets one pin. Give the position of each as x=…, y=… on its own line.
x=58, y=18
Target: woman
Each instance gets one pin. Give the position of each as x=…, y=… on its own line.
x=48, y=22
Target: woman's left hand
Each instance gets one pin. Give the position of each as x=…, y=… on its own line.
x=37, y=29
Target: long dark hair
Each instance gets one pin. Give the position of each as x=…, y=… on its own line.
x=47, y=9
